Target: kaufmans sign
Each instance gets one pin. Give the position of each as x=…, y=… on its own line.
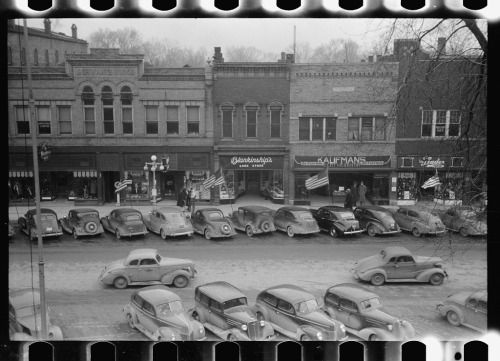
x=343, y=162
x=252, y=162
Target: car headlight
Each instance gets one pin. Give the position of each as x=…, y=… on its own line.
x=51, y=334
x=319, y=336
x=202, y=329
x=262, y=323
x=389, y=327
x=173, y=337
x=244, y=327
x=342, y=327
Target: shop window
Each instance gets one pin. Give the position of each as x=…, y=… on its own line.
x=43, y=119
x=427, y=123
x=441, y=123
x=9, y=56
x=367, y=128
x=56, y=57
x=380, y=129
x=172, y=120
x=440, y=129
x=47, y=61
x=251, y=120
x=330, y=128
x=88, y=110
x=64, y=119
x=193, y=120
x=407, y=186
x=317, y=128
x=152, y=120
x=304, y=129
x=126, y=102
x=353, y=129
x=108, y=110
x=227, y=121
x=454, y=123
x=407, y=162
x=275, y=110
x=35, y=57
x=23, y=126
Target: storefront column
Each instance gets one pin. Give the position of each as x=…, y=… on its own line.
x=214, y=191
x=286, y=179
x=393, y=187
x=291, y=187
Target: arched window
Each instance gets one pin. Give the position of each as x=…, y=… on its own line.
x=251, y=113
x=57, y=57
x=88, y=109
x=126, y=102
x=227, y=110
x=275, y=111
x=108, y=110
x=47, y=63
x=35, y=57
x=9, y=55
x=23, y=56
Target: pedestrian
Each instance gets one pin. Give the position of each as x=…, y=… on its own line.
x=189, y=199
x=362, y=193
x=348, y=199
x=181, y=198
x=355, y=194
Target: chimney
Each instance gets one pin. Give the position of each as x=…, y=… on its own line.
x=370, y=58
x=74, y=31
x=290, y=58
x=283, y=56
x=218, y=55
x=441, y=46
x=46, y=23
x=378, y=57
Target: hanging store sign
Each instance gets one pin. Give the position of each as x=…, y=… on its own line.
x=431, y=162
x=252, y=162
x=343, y=162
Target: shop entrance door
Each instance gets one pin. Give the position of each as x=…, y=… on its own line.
x=109, y=179
x=252, y=181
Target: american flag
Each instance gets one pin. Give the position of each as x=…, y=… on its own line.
x=219, y=178
x=209, y=182
x=431, y=182
x=318, y=180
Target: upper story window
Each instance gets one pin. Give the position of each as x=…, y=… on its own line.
x=43, y=119
x=56, y=57
x=126, y=102
x=317, y=128
x=251, y=111
x=172, y=120
x=193, y=120
x=9, y=56
x=441, y=123
x=275, y=110
x=152, y=119
x=35, y=57
x=88, y=110
x=47, y=62
x=21, y=114
x=227, y=120
x=23, y=56
x=366, y=128
x=64, y=119
x=407, y=162
x=108, y=116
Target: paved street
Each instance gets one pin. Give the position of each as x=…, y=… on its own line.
x=87, y=309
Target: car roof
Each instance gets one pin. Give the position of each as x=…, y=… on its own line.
x=42, y=210
x=352, y=291
x=221, y=291
x=24, y=298
x=336, y=209
x=480, y=295
x=83, y=210
x=396, y=251
x=291, y=293
x=157, y=294
x=294, y=209
x=416, y=209
x=142, y=252
x=125, y=210
x=372, y=208
x=210, y=209
x=255, y=208
x=168, y=210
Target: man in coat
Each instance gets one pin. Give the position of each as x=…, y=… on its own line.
x=181, y=198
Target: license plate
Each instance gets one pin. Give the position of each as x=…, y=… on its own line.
x=49, y=229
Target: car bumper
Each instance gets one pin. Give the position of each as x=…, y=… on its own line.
x=437, y=232
x=353, y=232
x=175, y=234
x=53, y=234
x=390, y=232
x=135, y=234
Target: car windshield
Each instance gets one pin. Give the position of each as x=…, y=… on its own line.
x=133, y=217
x=347, y=215
x=28, y=311
x=47, y=217
x=370, y=303
x=87, y=214
x=241, y=301
x=382, y=214
x=214, y=215
x=306, y=306
x=264, y=213
x=176, y=218
x=305, y=216
x=165, y=308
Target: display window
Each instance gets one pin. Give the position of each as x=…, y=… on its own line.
x=21, y=185
x=227, y=189
x=194, y=181
x=407, y=187
x=83, y=185
x=140, y=189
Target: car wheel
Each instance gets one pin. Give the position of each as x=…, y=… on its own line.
x=266, y=226
x=180, y=281
x=162, y=234
x=289, y=231
x=453, y=318
x=436, y=279
x=120, y=283
x=371, y=231
x=117, y=234
x=231, y=338
x=130, y=320
x=305, y=338
x=416, y=232
x=249, y=231
x=91, y=227
x=75, y=235
x=333, y=232
x=463, y=232
x=207, y=234
x=374, y=338
x=377, y=279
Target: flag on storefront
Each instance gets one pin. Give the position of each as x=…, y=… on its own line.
x=318, y=180
x=219, y=178
x=209, y=182
x=431, y=182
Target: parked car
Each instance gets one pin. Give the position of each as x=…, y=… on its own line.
x=418, y=221
x=376, y=220
x=146, y=266
x=465, y=220
x=295, y=313
x=253, y=220
x=295, y=220
x=25, y=317
x=124, y=222
x=337, y=221
x=82, y=222
x=223, y=309
x=360, y=312
x=159, y=314
x=50, y=226
x=11, y=231
x=168, y=222
x=466, y=308
x=397, y=264
x=211, y=223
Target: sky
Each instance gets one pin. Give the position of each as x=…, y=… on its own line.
x=268, y=35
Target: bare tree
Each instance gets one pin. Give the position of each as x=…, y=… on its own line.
x=303, y=52
x=336, y=51
x=243, y=54
x=128, y=40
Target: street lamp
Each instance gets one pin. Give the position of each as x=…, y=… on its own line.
x=154, y=165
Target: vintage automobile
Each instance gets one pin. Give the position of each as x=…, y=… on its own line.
x=337, y=221
x=146, y=266
x=376, y=220
x=159, y=314
x=82, y=222
x=50, y=226
x=465, y=220
x=211, y=223
x=296, y=313
x=466, y=308
x=397, y=264
x=418, y=221
x=360, y=312
x=253, y=220
x=124, y=222
x=295, y=220
x=25, y=317
x=223, y=309
x=11, y=231
x=168, y=222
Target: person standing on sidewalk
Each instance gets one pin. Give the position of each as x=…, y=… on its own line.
x=355, y=194
x=181, y=199
x=348, y=199
x=362, y=193
x=189, y=199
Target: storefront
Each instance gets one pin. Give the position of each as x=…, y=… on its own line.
x=254, y=174
x=344, y=172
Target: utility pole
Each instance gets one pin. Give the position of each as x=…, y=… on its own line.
x=31, y=119
x=294, y=28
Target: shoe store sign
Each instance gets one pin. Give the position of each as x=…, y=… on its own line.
x=342, y=162
x=251, y=162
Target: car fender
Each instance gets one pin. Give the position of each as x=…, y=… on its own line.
x=447, y=308
x=383, y=335
x=105, y=223
x=197, y=326
x=64, y=224
x=112, y=276
x=368, y=274
x=307, y=330
x=56, y=333
x=259, y=308
x=21, y=336
x=425, y=275
x=378, y=227
x=199, y=312
x=238, y=334
x=168, y=278
x=167, y=334
x=422, y=228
